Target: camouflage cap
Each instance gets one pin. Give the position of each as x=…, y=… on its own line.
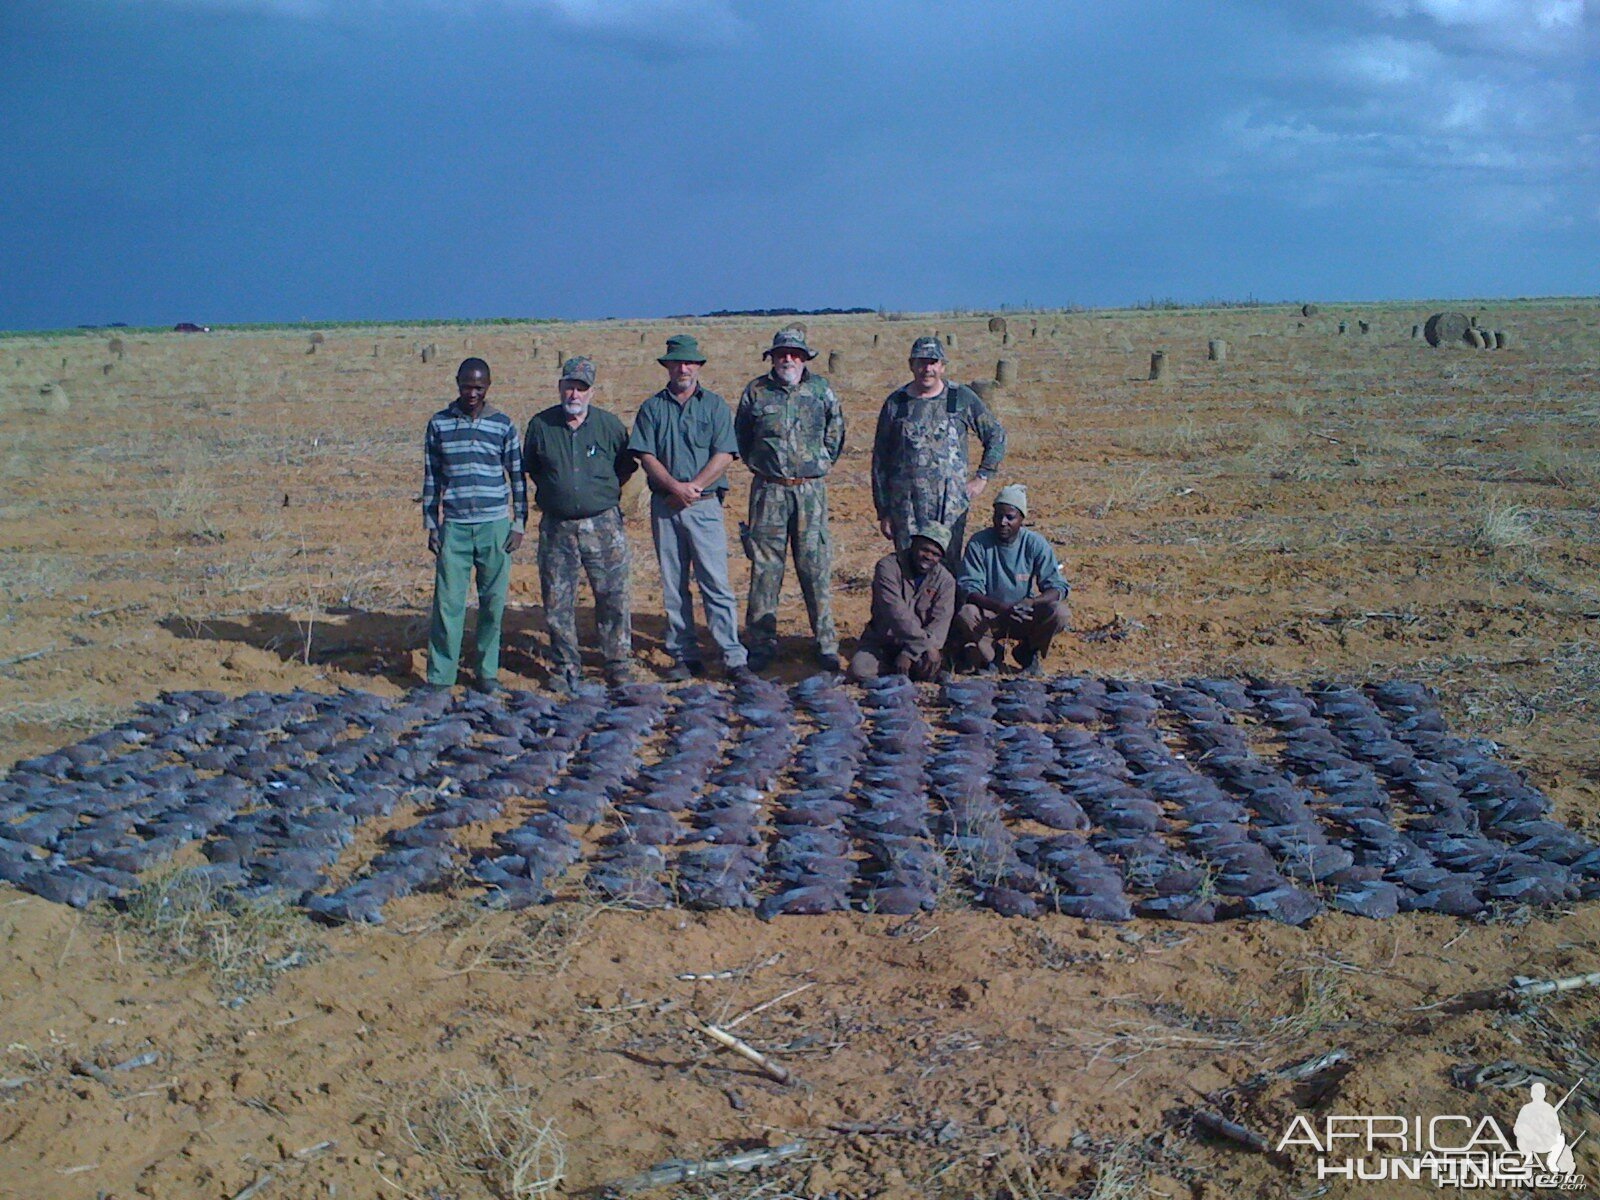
x=789, y=339
x=682, y=347
x=928, y=347
x=580, y=368
x=934, y=532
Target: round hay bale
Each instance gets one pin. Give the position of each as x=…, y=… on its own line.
x=374, y=349
x=950, y=339
x=1005, y=339
x=1446, y=328
x=1502, y=339
x=1475, y=338
x=1217, y=350
x=835, y=362
x=1308, y=310
x=534, y=352
x=1343, y=328
x=997, y=324
x=1416, y=331
x=1034, y=332
x=115, y=346
x=987, y=390
x=316, y=338
x=105, y=369
x=1005, y=372
x=428, y=352
x=52, y=398
x=1158, y=365
x=874, y=339
x=1364, y=327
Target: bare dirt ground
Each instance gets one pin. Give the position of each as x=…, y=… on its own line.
x=238, y=511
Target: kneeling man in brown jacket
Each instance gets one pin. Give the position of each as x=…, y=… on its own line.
x=913, y=600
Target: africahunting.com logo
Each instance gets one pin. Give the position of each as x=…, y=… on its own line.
x=1452, y=1151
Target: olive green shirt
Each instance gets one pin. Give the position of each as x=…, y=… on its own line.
x=576, y=472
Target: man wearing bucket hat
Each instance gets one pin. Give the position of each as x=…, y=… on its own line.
x=790, y=429
x=683, y=438
x=913, y=601
x=577, y=457
x=919, y=453
x=1011, y=589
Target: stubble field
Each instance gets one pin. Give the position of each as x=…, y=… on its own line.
x=238, y=511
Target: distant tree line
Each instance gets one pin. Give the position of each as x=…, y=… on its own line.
x=782, y=312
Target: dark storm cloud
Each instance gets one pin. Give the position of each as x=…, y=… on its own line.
x=279, y=159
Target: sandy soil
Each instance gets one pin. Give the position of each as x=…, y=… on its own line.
x=238, y=511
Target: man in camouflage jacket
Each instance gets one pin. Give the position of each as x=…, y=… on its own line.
x=919, y=454
x=790, y=430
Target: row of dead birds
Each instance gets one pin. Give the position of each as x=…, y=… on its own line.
x=1369, y=803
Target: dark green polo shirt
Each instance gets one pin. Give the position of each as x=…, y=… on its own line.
x=576, y=472
x=685, y=436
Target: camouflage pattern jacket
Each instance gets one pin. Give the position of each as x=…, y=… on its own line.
x=789, y=433
x=919, y=456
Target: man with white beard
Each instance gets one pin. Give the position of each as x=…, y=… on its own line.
x=790, y=429
x=577, y=457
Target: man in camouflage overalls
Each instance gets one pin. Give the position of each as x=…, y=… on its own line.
x=577, y=457
x=919, y=454
x=790, y=429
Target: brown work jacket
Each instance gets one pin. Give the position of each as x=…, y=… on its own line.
x=912, y=618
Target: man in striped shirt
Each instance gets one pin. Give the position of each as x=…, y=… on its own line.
x=472, y=471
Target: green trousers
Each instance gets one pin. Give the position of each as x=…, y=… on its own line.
x=464, y=549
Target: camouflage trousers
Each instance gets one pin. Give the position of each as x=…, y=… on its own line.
x=784, y=517
x=599, y=547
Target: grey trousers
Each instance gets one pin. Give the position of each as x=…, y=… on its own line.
x=694, y=541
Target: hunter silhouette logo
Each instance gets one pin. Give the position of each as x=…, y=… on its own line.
x=1538, y=1132
x=1450, y=1150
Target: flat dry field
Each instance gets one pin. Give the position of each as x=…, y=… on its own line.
x=238, y=511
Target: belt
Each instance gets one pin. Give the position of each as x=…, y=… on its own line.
x=788, y=480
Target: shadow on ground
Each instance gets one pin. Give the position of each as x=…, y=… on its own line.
x=385, y=644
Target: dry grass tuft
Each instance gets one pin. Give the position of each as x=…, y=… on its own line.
x=1502, y=525
x=1134, y=493
x=1120, y=1175
x=487, y=1130
x=542, y=945
x=64, y=713
x=1322, y=1000
x=1182, y=439
x=1549, y=462
x=181, y=917
x=41, y=576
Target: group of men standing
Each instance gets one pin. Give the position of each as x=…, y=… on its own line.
x=928, y=595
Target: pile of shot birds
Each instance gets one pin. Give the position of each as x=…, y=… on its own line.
x=1102, y=799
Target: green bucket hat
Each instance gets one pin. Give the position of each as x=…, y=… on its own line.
x=933, y=531
x=682, y=348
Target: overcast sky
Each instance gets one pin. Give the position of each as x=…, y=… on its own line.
x=282, y=160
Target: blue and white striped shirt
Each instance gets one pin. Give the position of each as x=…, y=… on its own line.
x=473, y=469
